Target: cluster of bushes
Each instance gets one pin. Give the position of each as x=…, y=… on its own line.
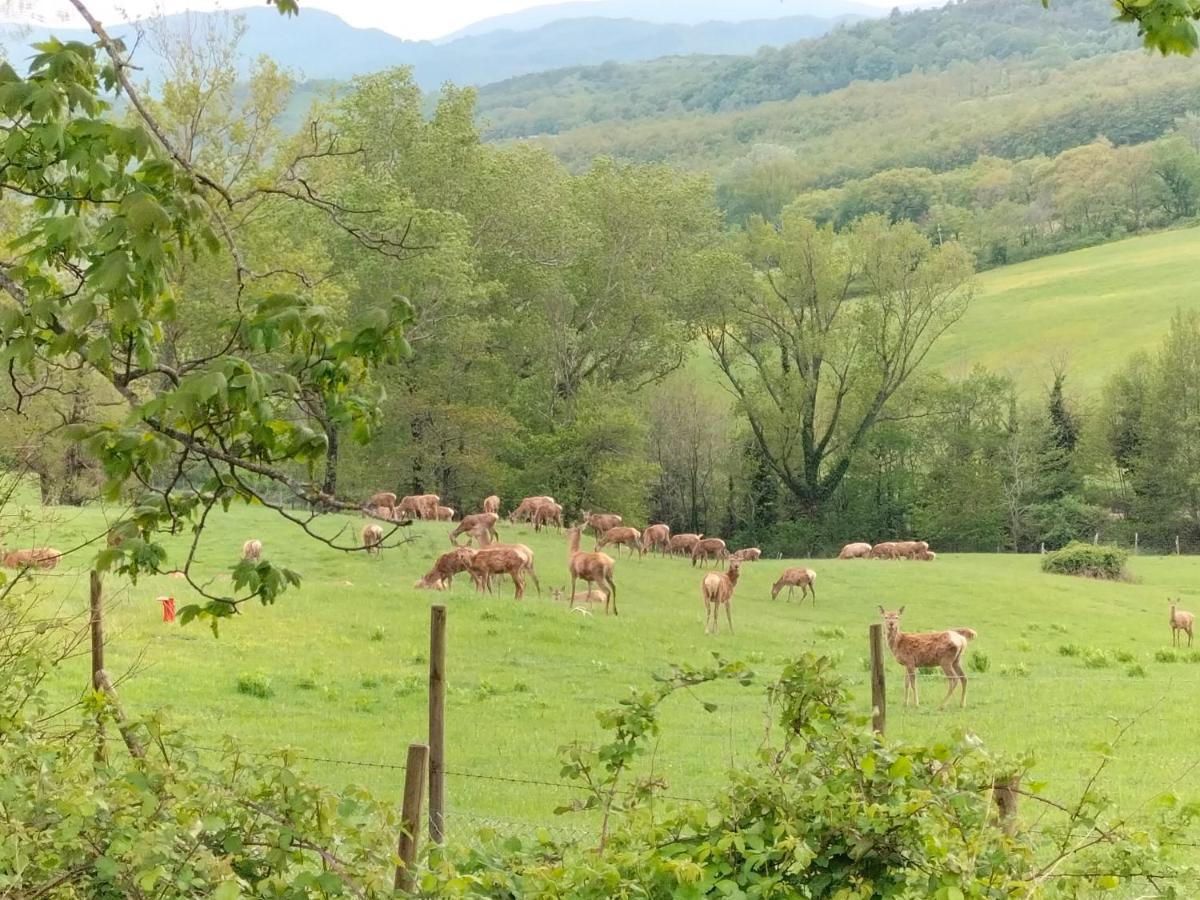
x=1088, y=561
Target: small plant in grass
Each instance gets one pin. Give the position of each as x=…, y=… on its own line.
x=828, y=633
x=928, y=670
x=1124, y=656
x=978, y=662
x=489, y=615
x=1024, y=646
x=1070, y=650
x=492, y=632
x=1193, y=656
x=521, y=688
x=1087, y=561
x=307, y=683
x=370, y=682
x=756, y=656
x=1058, y=629
x=409, y=684
x=485, y=689
x=255, y=685
x=419, y=658
x=377, y=633
x=1096, y=659
x=1166, y=655
x=1019, y=670
x=364, y=704
x=864, y=663
x=1137, y=670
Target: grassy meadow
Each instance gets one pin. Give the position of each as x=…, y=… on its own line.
x=345, y=659
x=1092, y=308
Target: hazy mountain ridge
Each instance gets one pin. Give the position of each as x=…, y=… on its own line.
x=320, y=46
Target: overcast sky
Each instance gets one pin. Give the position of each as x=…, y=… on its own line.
x=412, y=19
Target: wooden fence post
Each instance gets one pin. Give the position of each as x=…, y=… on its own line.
x=878, y=691
x=437, y=724
x=1007, y=795
x=1177, y=553
x=1135, y=543
x=410, y=815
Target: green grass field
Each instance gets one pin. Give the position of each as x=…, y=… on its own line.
x=346, y=660
x=1092, y=308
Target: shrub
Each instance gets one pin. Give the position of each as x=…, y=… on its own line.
x=1088, y=561
x=489, y=615
x=409, y=684
x=255, y=685
x=1070, y=650
x=1193, y=656
x=830, y=632
x=1136, y=671
x=370, y=682
x=1096, y=659
x=377, y=633
x=1166, y=656
x=1020, y=670
x=1124, y=656
x=978, y=662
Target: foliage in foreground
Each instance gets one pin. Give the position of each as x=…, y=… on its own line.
x=1087, y=560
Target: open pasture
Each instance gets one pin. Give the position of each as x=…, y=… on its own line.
x=343, y=659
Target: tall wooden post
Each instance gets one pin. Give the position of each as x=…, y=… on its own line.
x=878, y=690
x=410, y=815
x=437, y=724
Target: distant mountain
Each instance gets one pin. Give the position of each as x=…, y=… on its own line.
x=319, y=45
x=686, y=12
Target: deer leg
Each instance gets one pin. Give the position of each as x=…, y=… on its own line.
x=812, y=589
x=948, y=668
x=911, y=681
x=962, y=678
x=518, y=584
x=536, y=583
x=729, y=615
x=707, y=616
x=612, y=591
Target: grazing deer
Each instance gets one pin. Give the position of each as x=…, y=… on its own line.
x=1180, y=621
x=805, y=579
x=445, y=567
x=708, y=548
x=717, y=591
x=656, y=537
x=35, y=557
x=600, y=522
x=384, y=500
x=481, y=527
x=747, y=554
x=372, y=538
x=491, y=504
x=252, y=550
x=445, y=514
x=594, y=568
x=682, y=544
x=545, y=514
x=855, y=551
x=500, y=561
x=622, y=536
x=525, y=509
x=932, y=648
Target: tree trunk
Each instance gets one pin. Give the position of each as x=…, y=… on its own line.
x=332, y=449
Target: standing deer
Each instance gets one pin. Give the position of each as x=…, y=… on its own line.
x=500, y=561
x=384, y=500
x=441, y=576
x=491, y=504
x=656, y=537
x=622, y=536
x=708, y=548
x=594, y=568
x=479, y=526
x=682, y=544
x=931, y=648
x=805, y=579
x=600, y=522
x=252, y=550
x=372, y=537
x=1180, y=621
x=717, y=591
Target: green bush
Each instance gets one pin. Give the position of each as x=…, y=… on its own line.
x=1020, y=670
x=1096, y=659
x=1124, y=656
x=255, y=685
x=834, y=632
x=1166, y=656
x=978, y=662
x=377, y=633
x=1070, y=650
x=1088, y=561
x=1136, y=671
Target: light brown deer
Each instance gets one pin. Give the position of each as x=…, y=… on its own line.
x=372, y=538
x=708, y=548
x=527, y=554
x=445, y=514
x=747, y=554
x=717, y=590
x=682, y=544
x=252, y=550
x=1180, y=621
x=855, y=551
x=600, y=522
x=622, y=536
x=805, y=579
x=545, y=514
x=525, y=509
x=582, y=599
x=34, y=557
x=445, y=567
x=383, y=500
x=594, y=568
x=656, y=537
x=423, y=506
x=931, y=648
x=500, y=561
x=480, y=527
x=491, y=504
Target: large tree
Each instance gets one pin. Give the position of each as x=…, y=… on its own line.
x=824, y=330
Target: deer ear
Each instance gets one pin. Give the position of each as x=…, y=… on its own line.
x=882, y=611
x=901, y=612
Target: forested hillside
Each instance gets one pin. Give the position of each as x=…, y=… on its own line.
x=876, y=50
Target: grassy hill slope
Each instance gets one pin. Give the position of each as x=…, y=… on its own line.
x=1092, y=308
x=346, y=659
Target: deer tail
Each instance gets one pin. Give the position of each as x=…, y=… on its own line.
x=969, y=633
